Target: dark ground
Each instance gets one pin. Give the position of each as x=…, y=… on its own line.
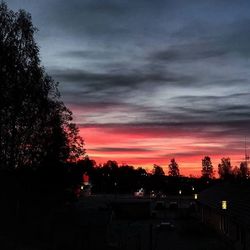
x=145, y=234
x=92, y=224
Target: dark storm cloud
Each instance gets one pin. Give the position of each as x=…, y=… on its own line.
x=119, y=79
x=215, y=111
x=231, y=38
x=238, y=38
x=87, y=55
x=214, y=108
x=102, y=17
x=118, y=83
x=168, y=63
x=105, y=20
x=192, y=98
x=110, y=79
x=189, y=125
x=186, y=52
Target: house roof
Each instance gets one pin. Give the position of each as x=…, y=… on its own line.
x=237, y=197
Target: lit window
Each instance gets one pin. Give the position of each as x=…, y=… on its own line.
x=224, y=205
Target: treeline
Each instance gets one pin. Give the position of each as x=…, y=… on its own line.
x=112, y=178
x=37, y=135
x=125, y=179
x=225, y=169
x=36, y=128
x=41, y=152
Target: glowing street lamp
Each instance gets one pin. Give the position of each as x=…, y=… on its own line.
x=195, y=196
x=180, y=192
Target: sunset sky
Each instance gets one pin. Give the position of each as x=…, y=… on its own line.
x=151, y=80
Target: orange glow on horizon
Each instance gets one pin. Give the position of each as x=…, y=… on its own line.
x=142, y=147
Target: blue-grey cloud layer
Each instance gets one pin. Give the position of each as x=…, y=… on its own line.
x=148, y=62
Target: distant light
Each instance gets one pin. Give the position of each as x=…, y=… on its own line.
x=195, y=196
x=139, y=193
x=152, y=194
x=193, y=188
x=85, y=179
x=81, y=187
x=224, y=205
x=179, y=191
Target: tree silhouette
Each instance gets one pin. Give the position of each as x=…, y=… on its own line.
x=157, y=179
x=207, y=168
x=157, y=170
x=225, y=169
x=243, y=170
x=236, y=172
x=173, y=168
x=35, y=126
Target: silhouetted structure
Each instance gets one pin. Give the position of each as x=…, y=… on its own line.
x=225, y=169
x=173, y=168
x=36, y=128
x=226, y=207
x=37, y=137
x=207, y=168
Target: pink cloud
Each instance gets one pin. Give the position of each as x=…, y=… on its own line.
x=145, y=146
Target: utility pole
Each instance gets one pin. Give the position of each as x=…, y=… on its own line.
x=246, y=155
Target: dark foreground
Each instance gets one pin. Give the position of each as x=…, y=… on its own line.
x=114, y=222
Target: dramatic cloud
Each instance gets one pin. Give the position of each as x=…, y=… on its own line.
x=151, y=80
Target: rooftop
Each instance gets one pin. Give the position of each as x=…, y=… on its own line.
x=237, y=197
